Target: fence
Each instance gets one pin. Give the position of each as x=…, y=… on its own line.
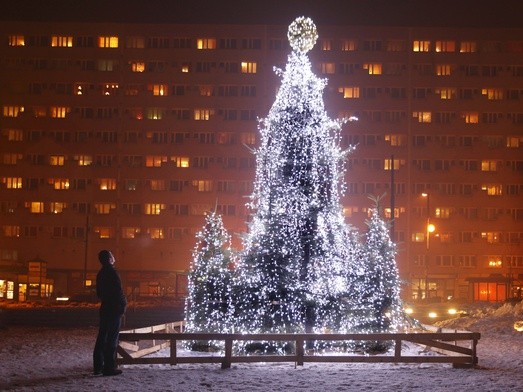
x=445, y=344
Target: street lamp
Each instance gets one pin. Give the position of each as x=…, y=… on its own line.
x=430, y=228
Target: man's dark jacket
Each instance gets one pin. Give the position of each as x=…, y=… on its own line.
x=109, y=290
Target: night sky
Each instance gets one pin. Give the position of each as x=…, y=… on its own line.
x=455, y=13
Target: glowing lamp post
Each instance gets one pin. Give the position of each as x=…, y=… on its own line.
x=430, y=228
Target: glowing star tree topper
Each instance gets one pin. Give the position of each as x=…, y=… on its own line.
x=302, y=34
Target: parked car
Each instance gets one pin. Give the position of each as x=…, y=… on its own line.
x=431, y=312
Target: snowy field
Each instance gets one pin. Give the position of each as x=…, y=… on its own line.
x=50, y=359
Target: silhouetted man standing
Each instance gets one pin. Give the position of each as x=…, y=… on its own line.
x=109, y=291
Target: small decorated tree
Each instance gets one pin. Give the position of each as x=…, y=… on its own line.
x=207, y=305
x=378, y=284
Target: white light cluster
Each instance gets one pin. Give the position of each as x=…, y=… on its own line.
x=302, y=34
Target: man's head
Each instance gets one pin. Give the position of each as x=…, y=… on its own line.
x=106, y=257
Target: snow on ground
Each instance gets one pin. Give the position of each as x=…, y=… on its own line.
x=51, y=359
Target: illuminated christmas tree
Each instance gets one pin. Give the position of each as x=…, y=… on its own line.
x=302, y=268
x=293, y=273
x=210, y=278
x=377, y=294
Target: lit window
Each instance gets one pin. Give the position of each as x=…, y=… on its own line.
x=14, y=135
x=16, y=40
x=423, y=117
x=12, y=182
x=154, y=113
x=156, y=233
x=445, y=46
x=131, y=184
x=155, y=160
x=104, y=232
x=80, y=88
x=11, y=231
x=12, y=111
x=373, y=68
x=186, y=67
x=224, y=138
x=158, y=185
x=159, y=89
x=387, y=164
x=57, y=160
x=107, y=184
x=489, y=165
x=248, y=138
x=350, y=211
x=11, y=159
x=108, y=42
x=442, y=212
x=418, y=237
x=395, y=140
x=443, y=69
x=203, y=185
x=36, y=207
x=181, y=161
x=397, y=212
x=109, y=88
x=59, y=183
x=137, y=66
x=328, y=68
x=104, y=208
x=348, y=45
x=57, y=207
x=326, y=44
x=492, y=237
x=494, y=261
x=350, y=92
x=206, y=43
x=206, y=90
x=153, y=208
x=493, y=93
x=513, y=141
x=106, y=65
x=130, y=232
x=468, y=47
x=493, y=189
x=62, y=41
x=136, y=113
x=59, y=111
x=470, y=117
x=84, y=160
x=421, y=46
x=248, y=67
x=446, y=93
x=203, y=114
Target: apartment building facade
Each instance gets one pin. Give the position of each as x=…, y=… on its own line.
x=121, y=136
